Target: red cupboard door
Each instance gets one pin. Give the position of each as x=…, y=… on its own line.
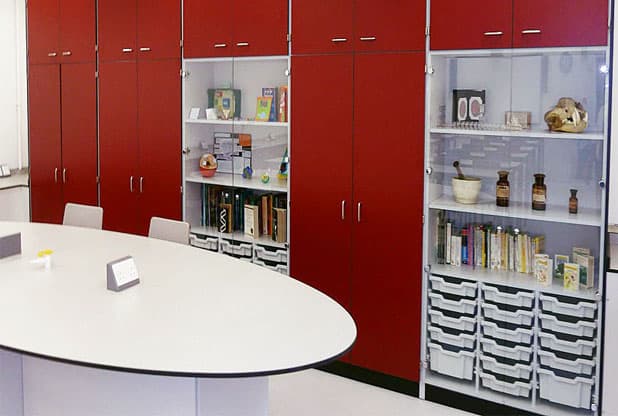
x=539, y=23
x=79, y=133
x=45, y=143
x=117, y=30
x=158, y=29
x=207, y=28
x=460, y=25
x=77, y=30
x=118, y=145
x=388, y=209
x=322, y=27
x=396, y=25
x=260, y=30
x=43, y=31
x=159, y=128
x=321, y=173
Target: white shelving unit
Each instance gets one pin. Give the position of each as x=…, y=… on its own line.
x=516, y=80
x=269, y=141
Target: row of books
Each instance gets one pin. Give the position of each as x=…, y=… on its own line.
x=487, y=246
x=253, y=212
x=273, y=104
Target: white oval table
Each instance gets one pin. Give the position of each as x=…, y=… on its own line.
x=198, y=336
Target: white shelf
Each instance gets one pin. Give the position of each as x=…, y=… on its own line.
x=468, y=388
x=537, y=132
x=510, y=279
x=552, y=213
x=518, y=51
x=237, y=236
x=237, y=181
x=237, y=122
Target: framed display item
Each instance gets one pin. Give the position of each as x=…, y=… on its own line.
x=468, y=105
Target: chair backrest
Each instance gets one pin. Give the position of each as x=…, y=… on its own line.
x=170, y=230
x=83, y=216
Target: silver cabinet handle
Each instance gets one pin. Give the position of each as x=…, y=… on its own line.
x=493, y=33
x=131, y=184
x=127, y=50
x=367, y=38
x=343, y=210
x=64, y=175
x=336, y=40
x=531, y=31
x=242, y=44
x=220, y=45
x=144, y=49
x=52, y=54
x=66, y=53
x=141, y=184
x=56, y=175
x=358, y=212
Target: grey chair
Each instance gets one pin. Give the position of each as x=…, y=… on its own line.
x=170, y=230
x=79, y=215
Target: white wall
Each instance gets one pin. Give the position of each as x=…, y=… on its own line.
x=13, y=104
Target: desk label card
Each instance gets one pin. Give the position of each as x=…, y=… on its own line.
x=10, y=245
x=122, y=274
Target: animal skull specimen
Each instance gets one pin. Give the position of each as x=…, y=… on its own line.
x=568, y=116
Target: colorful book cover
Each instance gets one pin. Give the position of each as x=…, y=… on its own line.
x=272, y=92
x=283, y=104
x=543, y=269
x=262, y=111
x=586, y=270
x=559, y=261
x=571, y=276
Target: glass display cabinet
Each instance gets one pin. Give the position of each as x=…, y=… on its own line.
x=236, y=135
x=512, y=309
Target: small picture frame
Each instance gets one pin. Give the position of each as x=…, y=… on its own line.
x=518, y=120
x=468, y=105
x=194, y=114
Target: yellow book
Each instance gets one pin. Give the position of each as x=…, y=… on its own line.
x=571, y=276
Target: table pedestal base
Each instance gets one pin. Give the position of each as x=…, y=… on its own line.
x=33, y=387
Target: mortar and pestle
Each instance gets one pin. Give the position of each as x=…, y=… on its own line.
x=465, y=188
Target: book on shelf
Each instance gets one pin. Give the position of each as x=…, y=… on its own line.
x=226, y=102
x=571, y=276
x=449, y=232
x=262, y=110
x=279, y=225
x=543, y=269
x=274, y=106
x=283, y=104
x=586, y=270
x=252, y=220
x=456, y=250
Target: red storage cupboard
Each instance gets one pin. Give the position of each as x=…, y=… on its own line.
x=388, y=212
x=327, y=28
x=63, y=138
x=140, y=149
x=321, y=182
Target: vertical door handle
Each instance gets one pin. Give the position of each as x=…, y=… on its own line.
x=144, y=49
x=343, y=210
x=52, y=54
x=56, y=175
x=66, y=53
x=131, y=184
x=64, y=175
x=358, y=212
x=141, y=184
